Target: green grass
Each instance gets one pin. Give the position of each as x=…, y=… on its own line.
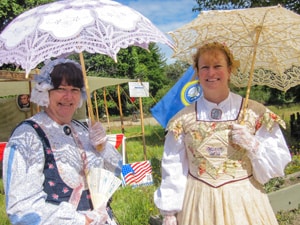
x=288, y=218
x=134, y=206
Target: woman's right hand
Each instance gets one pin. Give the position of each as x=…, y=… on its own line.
x=97, y=135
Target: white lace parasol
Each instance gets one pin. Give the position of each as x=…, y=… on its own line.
x=74, y=26
x=265, y=40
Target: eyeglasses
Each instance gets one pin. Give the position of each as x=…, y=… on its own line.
x=64, y=90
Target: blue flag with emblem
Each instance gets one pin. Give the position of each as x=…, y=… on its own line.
x=183, y=93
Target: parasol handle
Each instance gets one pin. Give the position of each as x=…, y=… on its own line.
x=258, y=31
x=100, y=147
x=87, y=88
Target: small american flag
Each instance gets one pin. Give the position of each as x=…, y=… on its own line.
x=115, y=139
x=138, y=173
x=2, y=147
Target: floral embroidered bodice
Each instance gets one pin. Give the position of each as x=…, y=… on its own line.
x=213, y=158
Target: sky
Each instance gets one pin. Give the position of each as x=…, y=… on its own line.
x=166, y=15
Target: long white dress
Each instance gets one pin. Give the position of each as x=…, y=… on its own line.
x=206, y=179
x=23, y=177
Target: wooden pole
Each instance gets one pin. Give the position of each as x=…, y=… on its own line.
x=96, y=105
x=120, y=108
x=106, y=109
x=143, y=129
x=87, y=88
x=258, y=31
x=31, y=107
x=100, y=147
x=37, y=71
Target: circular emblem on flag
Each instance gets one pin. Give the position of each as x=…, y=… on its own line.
x=190, y=92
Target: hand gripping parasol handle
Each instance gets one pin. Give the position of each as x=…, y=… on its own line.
x=100, y=147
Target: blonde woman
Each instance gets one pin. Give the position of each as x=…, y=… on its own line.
x=214, y=168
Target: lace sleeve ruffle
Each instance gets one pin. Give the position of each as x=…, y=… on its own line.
x=273, y=154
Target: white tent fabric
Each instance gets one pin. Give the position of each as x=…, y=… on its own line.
x=8, y=88
x=14, y=83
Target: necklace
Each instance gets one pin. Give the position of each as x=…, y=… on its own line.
x=81, y=151
x=216, y=114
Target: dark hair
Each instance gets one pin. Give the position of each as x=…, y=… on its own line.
x=69, y=73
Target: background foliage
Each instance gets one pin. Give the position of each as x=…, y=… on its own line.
x=150, y=66
x=238, y=4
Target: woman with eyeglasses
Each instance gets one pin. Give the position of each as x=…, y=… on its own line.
x=48, y=155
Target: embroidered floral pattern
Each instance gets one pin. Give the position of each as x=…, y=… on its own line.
x=51, y=183
x=65, y=190
x=269, y=119
x=212, y=155
x=202, y=167
x=177, y=128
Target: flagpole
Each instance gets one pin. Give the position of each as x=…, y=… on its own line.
x=120, y=108
x=143, y=128
x=106, y=109
x=96, y=105
x=87, y=89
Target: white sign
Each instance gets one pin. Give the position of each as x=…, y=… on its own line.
x=138, y=89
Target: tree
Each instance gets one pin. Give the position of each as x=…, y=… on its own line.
x=9, y=9
x=174, y=71
x=134, y=63
x=236, y=4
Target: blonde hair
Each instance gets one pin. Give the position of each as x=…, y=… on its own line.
x=231, y=62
